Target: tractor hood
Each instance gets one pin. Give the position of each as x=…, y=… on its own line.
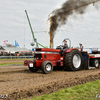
x=47, y=50
x=43, y=54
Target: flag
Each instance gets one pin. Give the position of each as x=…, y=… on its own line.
x=5, y=42
x=16, y=44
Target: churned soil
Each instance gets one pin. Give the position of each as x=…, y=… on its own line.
x=18, y=82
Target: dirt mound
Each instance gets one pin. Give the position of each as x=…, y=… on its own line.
x=17, y=82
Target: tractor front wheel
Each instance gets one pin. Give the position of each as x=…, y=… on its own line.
x=73, y=61
x=47, y=67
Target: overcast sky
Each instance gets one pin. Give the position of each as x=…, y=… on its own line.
x=83, y=29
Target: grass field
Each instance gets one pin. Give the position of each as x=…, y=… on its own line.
x=86, y=91
x=13, y=61
x=3, y=64
x=17, y=59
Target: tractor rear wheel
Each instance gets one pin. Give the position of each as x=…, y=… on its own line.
x=73, y=61
x=47, y=67
x=32, y=69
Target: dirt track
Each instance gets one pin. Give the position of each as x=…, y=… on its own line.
x=18, y=82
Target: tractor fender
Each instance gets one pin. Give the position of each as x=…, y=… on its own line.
x=69, y=50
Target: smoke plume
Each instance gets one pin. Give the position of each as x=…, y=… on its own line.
x=61, y=15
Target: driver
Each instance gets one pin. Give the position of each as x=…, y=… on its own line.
x=65, y=47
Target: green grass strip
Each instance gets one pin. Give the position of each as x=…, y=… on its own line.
x=86, y=91
x=5, y=64
x=17, y=59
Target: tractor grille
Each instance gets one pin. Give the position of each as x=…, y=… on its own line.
x=38, y=49
x=38, y=56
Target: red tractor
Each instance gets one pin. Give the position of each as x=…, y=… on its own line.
x=47, y=59
x=73, y=59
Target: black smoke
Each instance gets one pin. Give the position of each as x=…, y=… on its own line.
x=61, y=15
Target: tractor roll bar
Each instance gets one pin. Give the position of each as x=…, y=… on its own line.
x=69, y=42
